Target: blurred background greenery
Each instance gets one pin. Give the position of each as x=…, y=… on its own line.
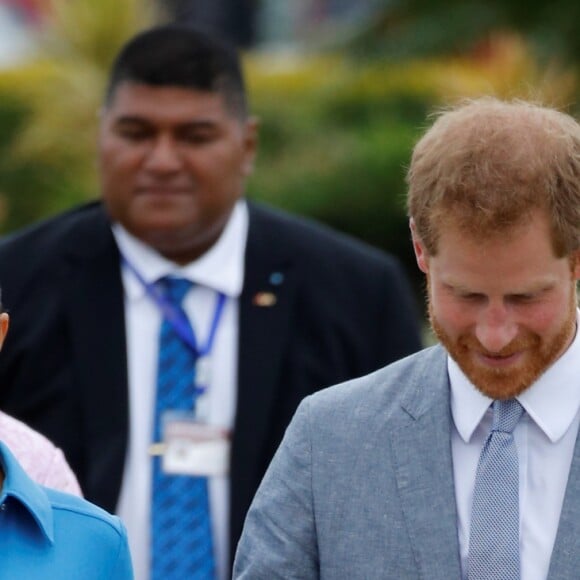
x=340, y=107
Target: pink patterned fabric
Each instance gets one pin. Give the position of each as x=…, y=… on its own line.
x=43, y=462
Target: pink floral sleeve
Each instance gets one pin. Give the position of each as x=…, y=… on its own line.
x=43, y=462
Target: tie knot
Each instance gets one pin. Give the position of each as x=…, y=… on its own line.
x=175, y=289
x=506, y=415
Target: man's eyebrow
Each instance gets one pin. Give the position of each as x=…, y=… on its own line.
x=539, y=288
x=130, y=119
x=196, y=124
x=457, y=286
x=534, y=288
x=199, y=124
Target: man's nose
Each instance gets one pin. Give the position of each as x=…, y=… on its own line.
x=496, y=329
x=163, y=156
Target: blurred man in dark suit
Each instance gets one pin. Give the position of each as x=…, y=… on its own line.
x=277, y=307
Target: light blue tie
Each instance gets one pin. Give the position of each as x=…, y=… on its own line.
x=181, y=539
x=494, y=545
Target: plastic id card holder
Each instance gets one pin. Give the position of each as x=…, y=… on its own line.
x=194, y=448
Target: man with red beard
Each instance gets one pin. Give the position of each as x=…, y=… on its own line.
x=460, y=461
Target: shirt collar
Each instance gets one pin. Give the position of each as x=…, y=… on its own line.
x=552, y=401
x=220, y=268
x=19, y=486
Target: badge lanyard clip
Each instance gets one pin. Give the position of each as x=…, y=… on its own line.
x=180, y=323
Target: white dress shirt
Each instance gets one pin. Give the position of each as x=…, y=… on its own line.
x=220, y=269
x=545, y=439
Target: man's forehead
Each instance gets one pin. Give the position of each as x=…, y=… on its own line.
x=174, y=105
x=132, y=94
x=458, y=225
x=523, y=265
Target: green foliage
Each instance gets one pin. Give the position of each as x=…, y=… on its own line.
x=417, y=28
x=343, y=164
x=50, y=106
x=27, y=191
x=94, y=31
x=335, y=141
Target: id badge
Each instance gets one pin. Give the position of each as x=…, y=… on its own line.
x=194, y=448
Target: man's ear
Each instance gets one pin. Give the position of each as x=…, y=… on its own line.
x=4, y=322
x=576, y=264
x=420, y=252
x=251, y=132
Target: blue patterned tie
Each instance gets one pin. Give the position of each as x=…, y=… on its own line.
x=182, y=545
x=494, y=540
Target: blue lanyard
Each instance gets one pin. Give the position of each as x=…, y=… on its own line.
x=176, y=317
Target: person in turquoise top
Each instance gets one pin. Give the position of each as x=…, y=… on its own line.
x=49, y=534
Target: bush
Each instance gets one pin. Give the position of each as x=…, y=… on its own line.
x=336, y=138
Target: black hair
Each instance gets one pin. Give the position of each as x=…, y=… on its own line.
x=181, y=56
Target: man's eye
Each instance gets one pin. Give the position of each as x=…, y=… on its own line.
x=198, y=138
x=522, y=298
x=132, y=134
x=472, y=297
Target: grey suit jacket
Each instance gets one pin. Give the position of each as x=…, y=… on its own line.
x=362, y=486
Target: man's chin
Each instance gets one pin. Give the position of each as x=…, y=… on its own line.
x=500, y=383
x=500, y=389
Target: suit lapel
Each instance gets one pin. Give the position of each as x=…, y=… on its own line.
x=421, y=442
x=565, y=560
x=265, y=313
x=94, y=305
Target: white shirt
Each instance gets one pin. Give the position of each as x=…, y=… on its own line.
x=545, y=438
x=220, y=269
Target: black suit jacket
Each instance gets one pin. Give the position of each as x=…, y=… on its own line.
x=343, y=309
